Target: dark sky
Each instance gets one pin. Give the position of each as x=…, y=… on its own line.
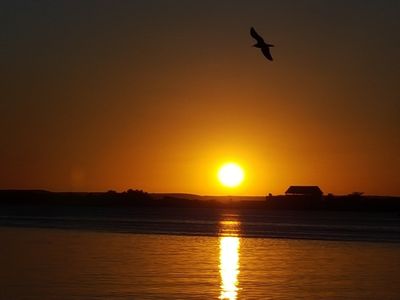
x=156, y=95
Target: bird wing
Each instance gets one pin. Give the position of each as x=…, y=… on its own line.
x=255, y=35
x=267, y=53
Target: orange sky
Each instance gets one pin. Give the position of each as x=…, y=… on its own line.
x=156, y=95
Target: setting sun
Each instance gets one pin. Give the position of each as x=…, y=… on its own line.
x=231, y=175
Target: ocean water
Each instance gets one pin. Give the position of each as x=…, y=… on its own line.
x=203, y=221
x=222, y=256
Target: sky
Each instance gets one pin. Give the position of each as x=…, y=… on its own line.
x=157, y=95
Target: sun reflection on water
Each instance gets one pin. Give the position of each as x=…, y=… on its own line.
x=229, y=244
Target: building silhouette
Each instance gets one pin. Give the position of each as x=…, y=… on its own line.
x=303, y=190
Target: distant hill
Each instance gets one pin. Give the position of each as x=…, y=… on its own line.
x=139, y=198
x=207, y=197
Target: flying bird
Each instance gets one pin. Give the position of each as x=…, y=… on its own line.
x=261, y=44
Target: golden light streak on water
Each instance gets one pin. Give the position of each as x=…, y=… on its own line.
x=229, y=259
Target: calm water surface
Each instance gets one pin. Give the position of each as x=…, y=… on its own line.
x=74, y=264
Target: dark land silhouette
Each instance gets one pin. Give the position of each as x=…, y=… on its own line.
x=138, y=198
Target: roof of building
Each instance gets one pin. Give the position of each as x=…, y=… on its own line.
x=304, y=190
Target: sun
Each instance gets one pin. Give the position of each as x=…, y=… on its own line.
x=231, y=175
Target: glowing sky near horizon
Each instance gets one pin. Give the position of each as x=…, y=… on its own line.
x=156, y=95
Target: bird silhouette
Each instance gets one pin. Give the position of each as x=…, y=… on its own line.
x=261, y=44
